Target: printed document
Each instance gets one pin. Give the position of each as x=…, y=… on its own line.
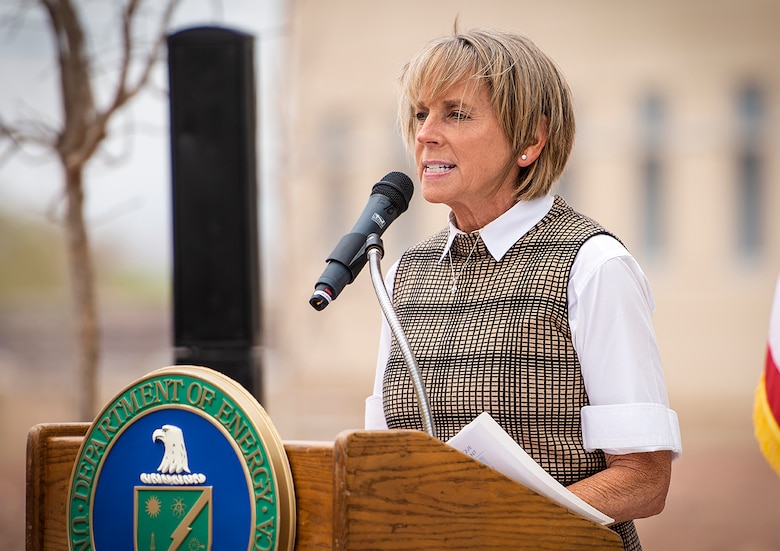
x=484, y=440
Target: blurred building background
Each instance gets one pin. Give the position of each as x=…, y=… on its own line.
x=676, y=152
x=678, y=111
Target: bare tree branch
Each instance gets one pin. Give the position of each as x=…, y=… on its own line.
x=80, y=135
x=120, y=96
x=15, y=137
x=124, y=90
x=11, y=148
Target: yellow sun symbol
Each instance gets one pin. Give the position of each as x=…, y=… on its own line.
x=153, y=506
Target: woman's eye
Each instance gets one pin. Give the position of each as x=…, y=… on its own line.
x=459, y=115
x=420, y=117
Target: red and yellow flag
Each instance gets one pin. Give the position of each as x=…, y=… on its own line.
x=766, y=410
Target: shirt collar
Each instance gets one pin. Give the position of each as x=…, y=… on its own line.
x=503, y=232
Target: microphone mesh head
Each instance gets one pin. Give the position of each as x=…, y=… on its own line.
x=397, y=187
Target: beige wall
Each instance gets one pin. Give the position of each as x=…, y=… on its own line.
x=339, y=113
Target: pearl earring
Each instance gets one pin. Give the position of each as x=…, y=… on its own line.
x=524, y=156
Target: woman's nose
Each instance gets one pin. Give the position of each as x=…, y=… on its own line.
x=428, y=131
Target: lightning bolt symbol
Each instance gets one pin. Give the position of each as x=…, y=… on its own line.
x=183, y=530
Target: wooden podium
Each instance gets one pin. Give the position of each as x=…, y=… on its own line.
x=368, y=490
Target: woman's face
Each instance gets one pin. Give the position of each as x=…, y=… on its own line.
x=464, y=159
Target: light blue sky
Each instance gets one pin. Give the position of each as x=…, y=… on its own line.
x=128, y=184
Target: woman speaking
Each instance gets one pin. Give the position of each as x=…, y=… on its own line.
x=521, y=306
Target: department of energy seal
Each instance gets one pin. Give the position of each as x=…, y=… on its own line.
x=183, y=459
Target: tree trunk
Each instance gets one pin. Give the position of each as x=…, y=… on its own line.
x=84, y=128
x=83, y=292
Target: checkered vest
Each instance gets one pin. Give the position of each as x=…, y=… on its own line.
x=501, y=343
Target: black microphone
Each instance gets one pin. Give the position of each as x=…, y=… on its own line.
x=389, y=198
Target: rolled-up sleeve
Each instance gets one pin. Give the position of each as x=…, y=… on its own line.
x=614, y=429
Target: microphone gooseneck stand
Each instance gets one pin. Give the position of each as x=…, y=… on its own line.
x=375, y=251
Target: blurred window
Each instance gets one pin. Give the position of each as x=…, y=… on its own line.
x=750, y=171
x=652, y=193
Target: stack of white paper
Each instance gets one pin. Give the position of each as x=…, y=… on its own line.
x=485, y=440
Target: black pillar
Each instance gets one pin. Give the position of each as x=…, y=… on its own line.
x=216, y=298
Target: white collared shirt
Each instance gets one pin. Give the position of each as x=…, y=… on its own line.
x=610, y=307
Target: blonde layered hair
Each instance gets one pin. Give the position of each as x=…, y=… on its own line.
x=526, y=91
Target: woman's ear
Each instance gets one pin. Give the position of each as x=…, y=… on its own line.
x=532, y=152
